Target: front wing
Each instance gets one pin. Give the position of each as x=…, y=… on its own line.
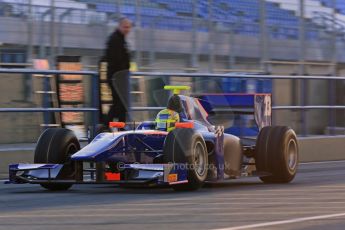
x=145, y=174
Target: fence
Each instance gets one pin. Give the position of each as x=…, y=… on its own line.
x=94, y=109
x=303, y=88
x=331, y=107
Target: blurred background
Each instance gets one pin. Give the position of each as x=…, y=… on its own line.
x=276, y=37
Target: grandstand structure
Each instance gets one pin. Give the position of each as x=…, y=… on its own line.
x=200, y=34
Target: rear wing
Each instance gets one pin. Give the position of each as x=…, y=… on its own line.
x=252, y=112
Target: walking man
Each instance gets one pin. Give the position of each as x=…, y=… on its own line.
x=118, y=58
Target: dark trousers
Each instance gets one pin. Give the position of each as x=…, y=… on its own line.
x=119, y=85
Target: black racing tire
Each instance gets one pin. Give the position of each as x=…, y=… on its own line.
x=277, y=154
x=55, y=146
x=187, y=146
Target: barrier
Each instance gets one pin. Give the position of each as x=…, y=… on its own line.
x=332, y=107
x=45, y=109
x=95, y=87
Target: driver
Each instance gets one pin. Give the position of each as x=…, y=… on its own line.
x=166, y=118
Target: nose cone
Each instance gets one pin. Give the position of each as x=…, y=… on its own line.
x=99, y=145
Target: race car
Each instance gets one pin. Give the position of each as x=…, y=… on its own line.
x=188, y=144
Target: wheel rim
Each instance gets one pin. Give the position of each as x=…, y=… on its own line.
x=199, y=159
x=292, y=155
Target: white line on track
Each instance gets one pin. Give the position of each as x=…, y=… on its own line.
x=322, y=162
x=274, y=223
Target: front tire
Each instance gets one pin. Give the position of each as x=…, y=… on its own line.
x=277, y=154
x=55, y=146
x=187, y=146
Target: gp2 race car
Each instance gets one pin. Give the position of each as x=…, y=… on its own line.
x=193, y=152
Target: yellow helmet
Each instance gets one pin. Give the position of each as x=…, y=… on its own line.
x=166, y=120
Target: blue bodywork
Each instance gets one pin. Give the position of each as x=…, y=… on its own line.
x=140, y=151
x=139, y=145
x=249, y=112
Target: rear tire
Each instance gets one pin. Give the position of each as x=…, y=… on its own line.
x=55, y=146
x=277, y=154
x=187, y=146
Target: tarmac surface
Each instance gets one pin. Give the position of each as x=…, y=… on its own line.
x=314, y=200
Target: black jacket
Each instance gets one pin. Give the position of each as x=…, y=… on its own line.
x=117, y=53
